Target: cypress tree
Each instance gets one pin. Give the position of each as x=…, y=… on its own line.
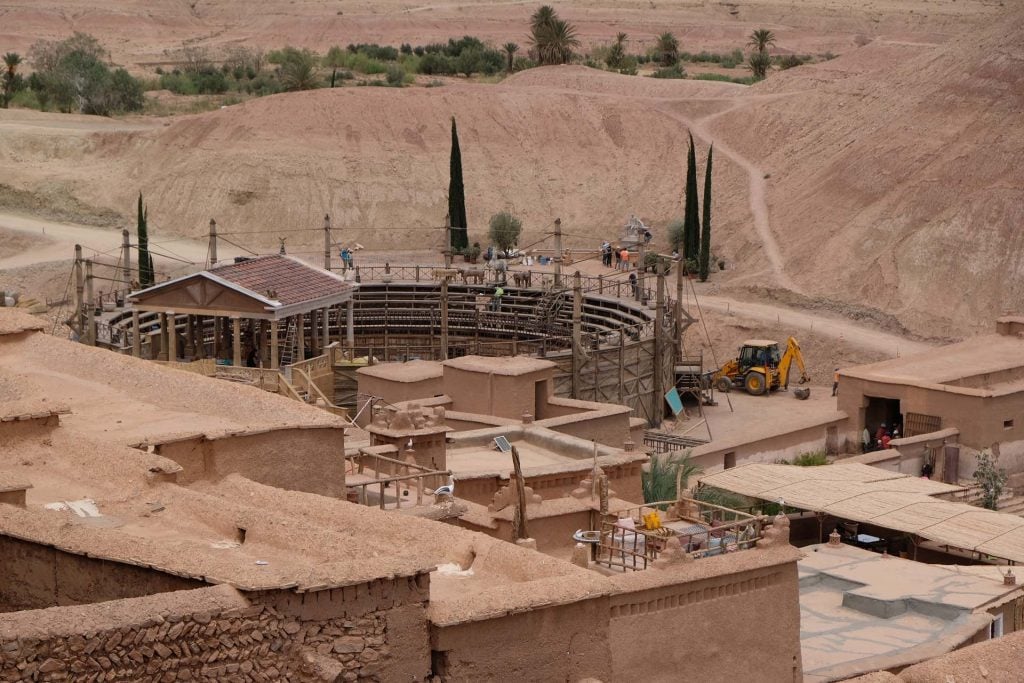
x=457, y=196
x=691, y=216
x=145, y=260
x=705, y=232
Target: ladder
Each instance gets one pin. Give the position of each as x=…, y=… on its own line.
x=289, y=348
x=548, y=308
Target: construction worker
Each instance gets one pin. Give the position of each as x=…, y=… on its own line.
x=496, y=299
x=835, y=382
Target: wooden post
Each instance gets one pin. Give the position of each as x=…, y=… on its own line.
x=350, y=332
x=126, y=258
x=172, y=336
x=236, y=341
x=678, y=313
x=90, y=307
x=274, y=351
x=136, y=335
x=213, y=243
x=79, y=319
x=325, y=316
x=640, y=271
x=162, y=355
x=314, y=332
x=558, y=252
x=577, y=333
x=300, y=336
x=519, y=518
x=447, y=241
x=327, y=242
x=659, y=348
x=444, y=318
x=600, y=284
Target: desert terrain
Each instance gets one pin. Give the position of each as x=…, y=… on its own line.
x=878, y=188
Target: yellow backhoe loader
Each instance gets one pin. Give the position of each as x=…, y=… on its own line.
x=761, y=366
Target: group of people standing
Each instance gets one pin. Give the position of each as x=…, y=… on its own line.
x=620, y=255
x=882, y=438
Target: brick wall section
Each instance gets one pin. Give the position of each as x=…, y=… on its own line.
x=206, y=634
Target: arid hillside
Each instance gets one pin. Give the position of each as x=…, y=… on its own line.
x=896, y=177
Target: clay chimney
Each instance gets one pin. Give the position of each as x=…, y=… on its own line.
x=834, y=538
x=1009, y=579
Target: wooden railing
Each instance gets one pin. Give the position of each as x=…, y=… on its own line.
x=387, y=471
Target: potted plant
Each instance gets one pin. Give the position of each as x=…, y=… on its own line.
x=472, y=254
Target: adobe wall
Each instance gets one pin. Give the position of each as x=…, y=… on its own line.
x=711, y=456
x=739, y=625
x=297, y=459
x=209, y=634
x=624, y=479
x=557, y=643
x=34, y=576
x=23, y=426
x=552, y=533
x=506, y=396
x=394, y=392
x=979, y=418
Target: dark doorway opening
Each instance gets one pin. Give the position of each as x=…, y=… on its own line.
x=883, y=411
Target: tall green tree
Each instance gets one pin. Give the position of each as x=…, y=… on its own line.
x=11, y=79
x=691, y=212
x=617, y=52
x=761, y=39
x=551, y=38
x=457, y=195
x=705, y=228
x=510, y=52
x=146, y=274
x=667, y=49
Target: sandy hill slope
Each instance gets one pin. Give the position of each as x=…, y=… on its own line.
x=902, y=186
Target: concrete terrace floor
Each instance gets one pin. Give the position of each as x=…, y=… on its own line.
x=861, y=611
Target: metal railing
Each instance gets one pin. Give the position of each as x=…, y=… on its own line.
x=712, y=530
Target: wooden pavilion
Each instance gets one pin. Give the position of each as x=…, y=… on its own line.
x=241, y=307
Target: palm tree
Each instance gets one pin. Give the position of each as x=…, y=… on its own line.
x=11, y=62
x=761, y=39
x=617, y=53
x=551, y=38
x=759, y=63
x=510, y=49
x=659, y=481
x=667, y=48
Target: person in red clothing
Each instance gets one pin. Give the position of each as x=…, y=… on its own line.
x=885, y=441
x=880, y=432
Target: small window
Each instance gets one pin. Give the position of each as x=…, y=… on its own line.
x=1007, y=424
x=996, y=629
x=730, y=460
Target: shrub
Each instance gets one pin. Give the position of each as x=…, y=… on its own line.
x=26, y=99
x=810, y=459
x=523, y=63
x=789, y=61
x=991, y=478
x=384, y=53
x=658, y=480
x=676, y=233
x=418, y=51
x=674, y=71
x=405, y=49
x=396, y=75
x=434, y=63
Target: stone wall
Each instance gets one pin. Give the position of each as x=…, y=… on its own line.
x=215, y=634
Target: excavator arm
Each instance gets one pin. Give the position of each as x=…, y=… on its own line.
x=792, y=353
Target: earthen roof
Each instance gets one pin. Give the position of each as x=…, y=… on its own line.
x=515, y=365
x=986, y=354
x=409, y=371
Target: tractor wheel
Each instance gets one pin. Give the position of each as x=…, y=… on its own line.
x=723, y=384
x=754, y=383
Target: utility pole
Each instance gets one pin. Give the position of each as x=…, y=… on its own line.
x=558, y=252
x=447, y=243
x=327, y=244
x=444, y=317
x=126, y=257
x=577, y=333
x=678, y=313
x=79, y=323
x=90, y=307
x=213, y=243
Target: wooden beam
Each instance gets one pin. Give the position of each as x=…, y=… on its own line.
x=274, y=351
x=236, y=341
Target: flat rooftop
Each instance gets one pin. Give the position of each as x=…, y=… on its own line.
x=409, y=371
x=860, y=611
x=505, y=365
x=983, y=355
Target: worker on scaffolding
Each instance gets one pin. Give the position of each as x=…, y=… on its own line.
x=499, y=292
